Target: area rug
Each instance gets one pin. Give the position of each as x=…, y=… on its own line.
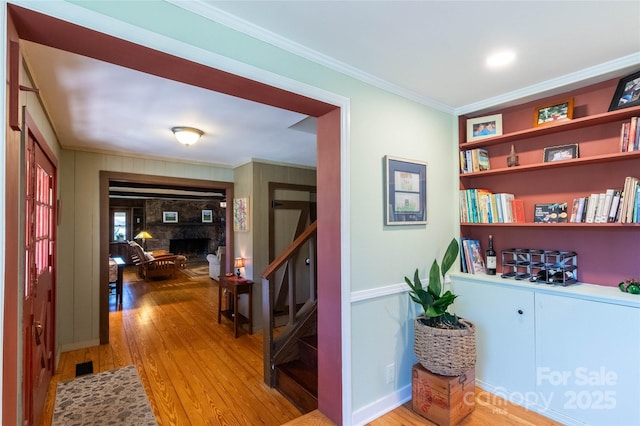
x=114, y=397
x=195, y=270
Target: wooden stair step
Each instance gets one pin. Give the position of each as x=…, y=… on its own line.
x=308, y=351
x=299, y=384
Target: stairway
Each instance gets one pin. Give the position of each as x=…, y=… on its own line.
x=297, y=380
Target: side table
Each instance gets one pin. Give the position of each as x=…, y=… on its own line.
x=236, y=286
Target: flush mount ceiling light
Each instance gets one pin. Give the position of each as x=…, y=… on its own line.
x=187, y=135
x=501, y=59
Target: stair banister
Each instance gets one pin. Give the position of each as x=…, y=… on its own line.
x=288, y=257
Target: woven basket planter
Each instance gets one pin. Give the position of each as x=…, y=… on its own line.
x=444, y=351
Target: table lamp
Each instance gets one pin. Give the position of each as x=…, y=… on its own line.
x=144, y=235
x=238, y=263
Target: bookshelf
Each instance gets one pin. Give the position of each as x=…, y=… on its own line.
x=607, y=252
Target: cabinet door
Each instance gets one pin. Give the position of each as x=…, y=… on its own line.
x=504, y=321
x=589, y=359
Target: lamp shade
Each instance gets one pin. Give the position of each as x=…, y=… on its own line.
x=187, y=135
x=143, y=235
x=238, y=262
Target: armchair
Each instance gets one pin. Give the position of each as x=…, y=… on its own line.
x=217, y=263
x=152, y=266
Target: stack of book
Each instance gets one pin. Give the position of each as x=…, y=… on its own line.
x=471, y=258
x=474, y=160
x=630, y=135
x=612, y=206
x=482, y=206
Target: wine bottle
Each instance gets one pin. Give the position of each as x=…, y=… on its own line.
x=491, y=258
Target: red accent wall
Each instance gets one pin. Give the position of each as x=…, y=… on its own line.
x=329, y=284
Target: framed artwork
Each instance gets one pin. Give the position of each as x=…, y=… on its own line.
x=562, y=152
x=484, y=127
x=207, y=216
x=558, y=111
x=406, y=191
x=627, y=93
x=170, y=217
x=241, y=214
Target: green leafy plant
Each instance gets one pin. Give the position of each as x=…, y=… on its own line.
x=431, y=298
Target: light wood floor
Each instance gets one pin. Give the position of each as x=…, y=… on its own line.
x=196, y=373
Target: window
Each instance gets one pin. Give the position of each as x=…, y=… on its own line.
x=119, y=226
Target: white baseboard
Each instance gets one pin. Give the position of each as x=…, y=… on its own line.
x=79, y=345
x=380, y=407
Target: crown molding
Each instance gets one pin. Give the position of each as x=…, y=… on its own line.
x=228, y=20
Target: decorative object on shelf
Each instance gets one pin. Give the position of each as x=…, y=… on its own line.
x=541, y=266
x=144, y=236
x=630, y=286
x=170, y=217
x=405, y=191
x=550, y=213
x=559, y=111
x=443, y=343
x=187, y=135
x=238, y=263
x=207, y=216
x=561, y=152
x=241, y=214
x=627, y=93
x=491, y=258
x=512, y=159
x=484, y=127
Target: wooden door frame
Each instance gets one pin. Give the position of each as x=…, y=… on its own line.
x=68, y=34
x=105, y=178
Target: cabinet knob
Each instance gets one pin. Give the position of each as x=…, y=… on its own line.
x=520, y=311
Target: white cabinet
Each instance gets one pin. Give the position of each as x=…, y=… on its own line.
x=569, y=353
x=505, y=341
x=588, y=359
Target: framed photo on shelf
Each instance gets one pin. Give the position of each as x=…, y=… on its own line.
x=241, y=214
x=170, y=217
x=484, y=127
x=406, y=191
x=552, y=113
x=627, y=93
x=207, y=216
x=562, y=152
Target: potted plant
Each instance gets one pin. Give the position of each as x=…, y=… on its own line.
x=444, y=343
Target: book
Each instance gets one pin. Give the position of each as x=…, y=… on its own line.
x=518, y=210
x=599, y=208
x=476, y=257
x=624, y=136
x=615, y=202
x=591, y=208
x=483, y=159
x=631, y=145
x=574, y=209
x=507, y=207
x=562, y=212
x=604, y=213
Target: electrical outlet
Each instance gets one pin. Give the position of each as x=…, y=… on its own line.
x=391, y=372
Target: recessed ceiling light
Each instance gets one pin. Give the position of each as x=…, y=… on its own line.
x=501, y=59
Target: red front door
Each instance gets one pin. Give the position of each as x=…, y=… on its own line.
x=38, y=314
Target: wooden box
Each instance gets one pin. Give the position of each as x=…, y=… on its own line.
x=441, y=399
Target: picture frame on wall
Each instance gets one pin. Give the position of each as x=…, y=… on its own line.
x=406, y=191
x=553, y=113
x=484, y=127
x=561, y=152
x=207, y=216
x=241, y=214
x=170, y=217
x=627, y=92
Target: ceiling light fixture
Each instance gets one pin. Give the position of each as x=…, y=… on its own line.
x=501, y=59
x=187, y=135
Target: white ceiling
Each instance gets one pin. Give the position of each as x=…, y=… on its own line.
x=429, y=51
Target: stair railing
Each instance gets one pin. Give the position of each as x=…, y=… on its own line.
x=272, y=346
